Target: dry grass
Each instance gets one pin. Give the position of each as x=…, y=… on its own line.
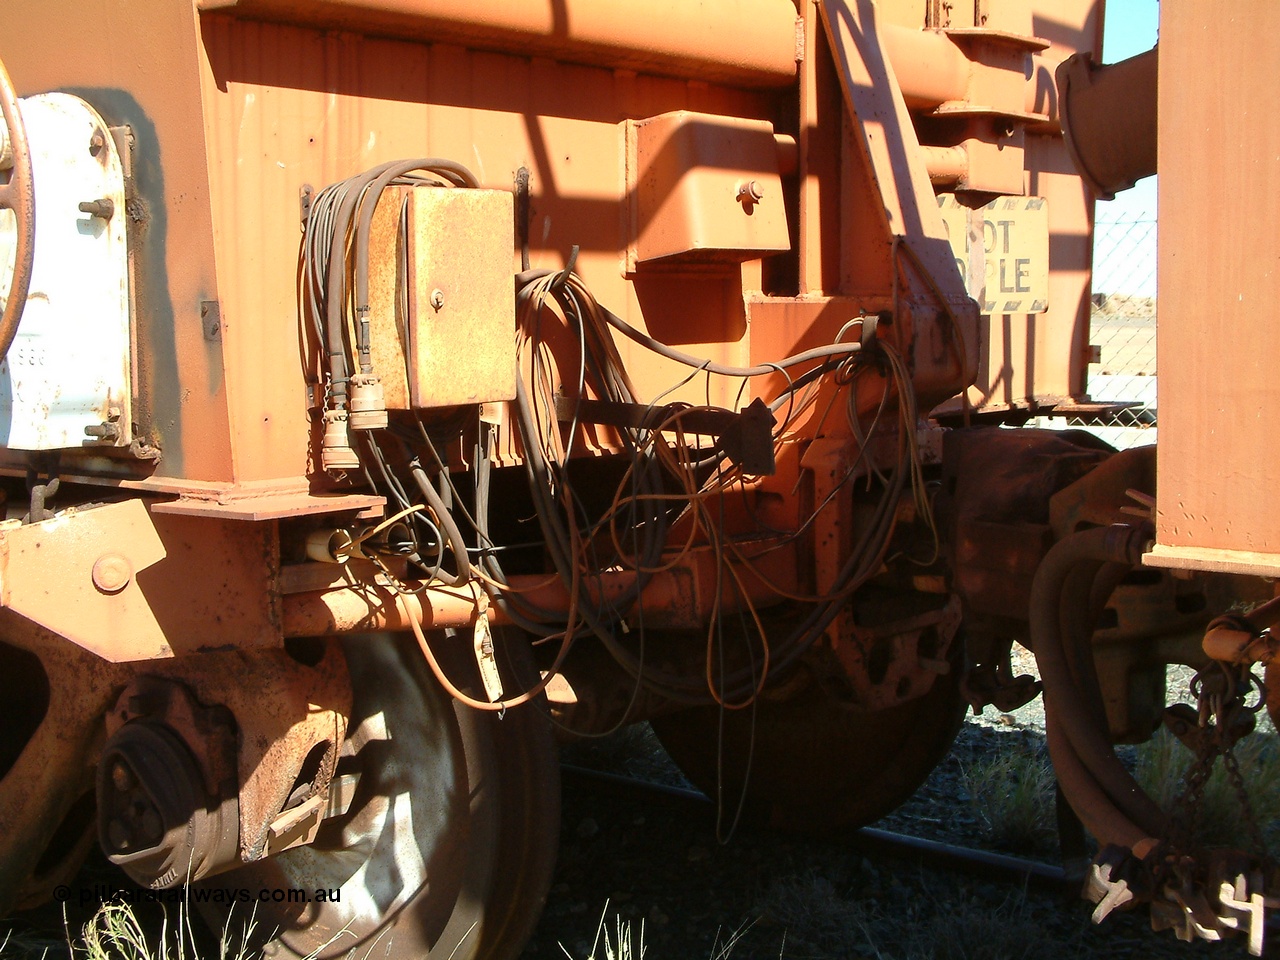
x=116, y=931
x=1163, y=763
x=620, y=946
x=1012, y=799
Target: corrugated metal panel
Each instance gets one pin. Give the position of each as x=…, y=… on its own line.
x=286, y=106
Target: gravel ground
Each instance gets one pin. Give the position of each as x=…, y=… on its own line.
x=659, y=869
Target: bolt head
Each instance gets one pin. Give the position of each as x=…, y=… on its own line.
x=122, y=777
x=96, y=143
x=112, y=573
x=437, y=298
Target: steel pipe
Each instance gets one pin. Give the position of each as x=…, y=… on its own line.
x=946, y=165
x=932, y=70
x=682, y=597
x=1109, y=119
x=320, y=613
x=746, y=42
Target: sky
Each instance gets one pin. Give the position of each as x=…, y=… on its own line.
x=1124, y=259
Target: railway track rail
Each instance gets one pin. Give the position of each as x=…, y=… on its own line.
x=869, y=841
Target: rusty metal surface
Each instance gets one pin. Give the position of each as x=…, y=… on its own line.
x=460, y=328
x=997, y=489
x=269, y=506
x=271, y=88
x=1120, y=487
x=283, y=709
x=682, y=597
x=18, y=196
x=1218, y=289
x=888, y=663
x=932, y=68
x=266, y=97
x=387, y=260
x=703, y=189
x=150, y=83
x=1109, y=119
x=55, y=766
x=372, y=606
x=55, y=574
x=127, y=585
x=263, y=80
x=891, y=151
x=1038, y=360
x=167, y=785
x=751, y=42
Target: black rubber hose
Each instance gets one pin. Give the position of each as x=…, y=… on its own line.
x=1116, y=544
x=825, y=352
x=672, y=686
x=1076, y=622
x=1091, y=804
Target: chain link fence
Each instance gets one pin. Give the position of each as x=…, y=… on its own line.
x=1123, y=328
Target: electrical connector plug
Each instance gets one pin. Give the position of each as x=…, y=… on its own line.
x=336, y=452
x=368, y=405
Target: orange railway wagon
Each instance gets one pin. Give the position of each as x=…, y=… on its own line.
x=391, y=387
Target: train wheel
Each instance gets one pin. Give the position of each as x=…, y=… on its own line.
x=449, y=843
x=818, y=762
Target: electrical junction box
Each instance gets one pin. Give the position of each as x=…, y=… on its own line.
x=442, y=297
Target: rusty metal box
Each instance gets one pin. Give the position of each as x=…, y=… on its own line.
x=442, y=298
x=460, y=330
x=703, y=189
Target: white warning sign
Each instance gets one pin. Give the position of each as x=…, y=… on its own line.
x=1015, y=247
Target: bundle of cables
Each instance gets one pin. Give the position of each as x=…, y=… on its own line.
x=334, y=293
x=670, y=479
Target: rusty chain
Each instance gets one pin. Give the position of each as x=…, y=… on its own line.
x=1225, y=716
x=1198, y=892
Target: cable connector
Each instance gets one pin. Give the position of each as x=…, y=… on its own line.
x=368, y=405
x=336, y=453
